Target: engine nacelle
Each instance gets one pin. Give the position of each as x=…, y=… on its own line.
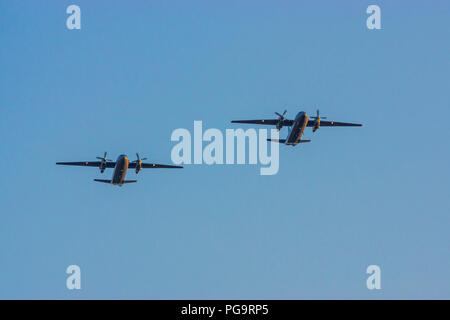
x=103, y=161
x=138, y=166
x=280, y=122
x=138, y=163
x=316, y=125
x=279, y=125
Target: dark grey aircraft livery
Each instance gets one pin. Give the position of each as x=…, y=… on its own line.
x=297, y=126
x=120, y=167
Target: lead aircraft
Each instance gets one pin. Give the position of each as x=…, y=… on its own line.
x=297, y=126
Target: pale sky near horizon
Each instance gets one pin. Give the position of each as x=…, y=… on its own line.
x=137, y=70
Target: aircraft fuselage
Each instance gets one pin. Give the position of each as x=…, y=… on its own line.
x=297, y=129
x=120, y=170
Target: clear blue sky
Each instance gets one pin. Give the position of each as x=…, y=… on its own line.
x=138, y=70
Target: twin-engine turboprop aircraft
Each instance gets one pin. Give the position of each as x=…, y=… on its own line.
x=120, y=167
x=296, y=130
x=297, y=126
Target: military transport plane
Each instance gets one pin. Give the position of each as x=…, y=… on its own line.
x=120, y=167
x=297, y=126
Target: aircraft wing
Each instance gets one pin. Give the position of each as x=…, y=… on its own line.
x=267, y=122
x=109, y=164
x=153, y=165
x=333, y=124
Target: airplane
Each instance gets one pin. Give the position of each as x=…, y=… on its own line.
x=120, y=167
x=297, y=126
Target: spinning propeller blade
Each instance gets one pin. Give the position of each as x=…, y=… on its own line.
x=318, y=115
x=280, y=120
x=138, y=158
x=104, y=157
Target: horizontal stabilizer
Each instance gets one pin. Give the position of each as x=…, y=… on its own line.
x=277, y=140
x=102, y=180
x=303, y=141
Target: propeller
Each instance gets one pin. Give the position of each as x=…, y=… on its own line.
x=279, y=125
x=317, y=121
x=103, y=163
x=318, y=115
x=104, y=157
x=139, y=159
x=138, y=162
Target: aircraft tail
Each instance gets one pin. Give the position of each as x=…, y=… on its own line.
x=277, y=140
x=102, y=180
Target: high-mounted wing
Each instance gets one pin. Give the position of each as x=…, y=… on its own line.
x=311, y=123
x=153, y=165
x=108, y=164
x=272, y=122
